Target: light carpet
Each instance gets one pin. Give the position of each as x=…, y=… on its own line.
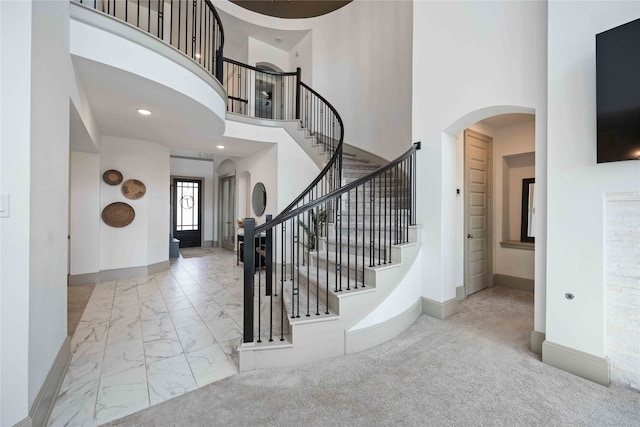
x=472, y=369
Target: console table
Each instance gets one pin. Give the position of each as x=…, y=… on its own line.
x=260, y=242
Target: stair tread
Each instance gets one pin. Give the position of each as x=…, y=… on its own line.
x=354, y=260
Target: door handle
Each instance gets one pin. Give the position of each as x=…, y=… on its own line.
x=469, y=236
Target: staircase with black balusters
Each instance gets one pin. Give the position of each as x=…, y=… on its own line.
x=344, y=254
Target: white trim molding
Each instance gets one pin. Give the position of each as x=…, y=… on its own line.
x=582, y=364
x=513, y=282
x=537, y=338
x=43, y=404
x=440, y=310
x=365, y=338
x=118, y=273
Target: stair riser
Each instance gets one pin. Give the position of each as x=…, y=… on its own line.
x=350, y=249
x=354, y=273
x=317, y=304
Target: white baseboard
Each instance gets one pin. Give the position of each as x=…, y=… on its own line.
x=118, y=273
x=440, y=310
x=582, y=364
x=365, y=338
x=460, y=293
x=24, y=423
x=537, y=338
x=513, y=282
x=84, y=279
x=43, y=404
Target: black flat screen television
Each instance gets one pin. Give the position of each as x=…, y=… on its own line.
x=618, y=93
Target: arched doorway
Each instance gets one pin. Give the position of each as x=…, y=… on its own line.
x=227, y=204
x=520, y=264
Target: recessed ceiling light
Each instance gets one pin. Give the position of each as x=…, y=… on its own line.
x=278, y=39
x=220, y=147
x=197, y=55
x=144, y=112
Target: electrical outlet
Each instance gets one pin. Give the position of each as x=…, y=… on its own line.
x=4, y=205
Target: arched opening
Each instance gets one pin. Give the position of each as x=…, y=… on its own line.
x=227, y=204
x=268, y=92
x=485, y=205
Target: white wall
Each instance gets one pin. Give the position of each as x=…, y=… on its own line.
x=301, y=56
x=199, y=169
x=261, y=167
x=576, y=184
x=49, y=188
x=292, y=169
x=362, y=66
x=511, y=141
x=102, y=46
x=146, y=240
x=263, y=52
x=361, y=63
x=15, y=134
x=468, y=64
x=84, y=212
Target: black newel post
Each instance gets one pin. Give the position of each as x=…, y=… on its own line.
x=249, y=248
x=298, y=92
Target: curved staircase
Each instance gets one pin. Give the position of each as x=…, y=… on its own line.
x=358, y=257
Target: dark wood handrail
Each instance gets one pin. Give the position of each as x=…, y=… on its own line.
x=260, y=70
x=334, y=158
x=337, y=193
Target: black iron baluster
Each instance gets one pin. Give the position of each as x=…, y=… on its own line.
x=283, y=268
x=179, y=21
x=339, y=242
x=259, y=272
x=355, y=252
x=379, y=218
x=349, y=241
x=372, y=246
x=309, y=259
x=319, y=232
x=398, y=206
x=364, y=222
x=293, y=258
x=389, y=195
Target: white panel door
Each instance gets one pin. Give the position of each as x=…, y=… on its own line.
x=477, y=185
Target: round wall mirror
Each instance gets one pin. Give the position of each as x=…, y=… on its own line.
x=259, y=199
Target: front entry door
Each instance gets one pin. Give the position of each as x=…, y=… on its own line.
x=187, y=212
x=227, y=212
x=477, y=186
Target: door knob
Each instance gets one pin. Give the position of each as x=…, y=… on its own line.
x=469, y=236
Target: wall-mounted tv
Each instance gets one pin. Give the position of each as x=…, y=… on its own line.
x=618, y=92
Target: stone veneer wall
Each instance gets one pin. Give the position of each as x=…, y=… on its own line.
x=623, y=287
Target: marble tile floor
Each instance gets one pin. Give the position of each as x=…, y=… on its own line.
x=146, y=340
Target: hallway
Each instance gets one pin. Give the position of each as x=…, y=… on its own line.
x=143, y=341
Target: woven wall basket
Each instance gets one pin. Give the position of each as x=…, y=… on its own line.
x=112, y=177
x=118, y=214
x=133, y=189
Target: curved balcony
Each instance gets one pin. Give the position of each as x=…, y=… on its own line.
x=127, y=62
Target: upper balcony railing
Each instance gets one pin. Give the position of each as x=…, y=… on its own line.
x=191, y=26
x=274, y=95
x=260, y=93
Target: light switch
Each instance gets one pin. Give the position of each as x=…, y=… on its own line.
x=4, y=205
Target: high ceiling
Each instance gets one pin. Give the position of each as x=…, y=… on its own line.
x=291, y=9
